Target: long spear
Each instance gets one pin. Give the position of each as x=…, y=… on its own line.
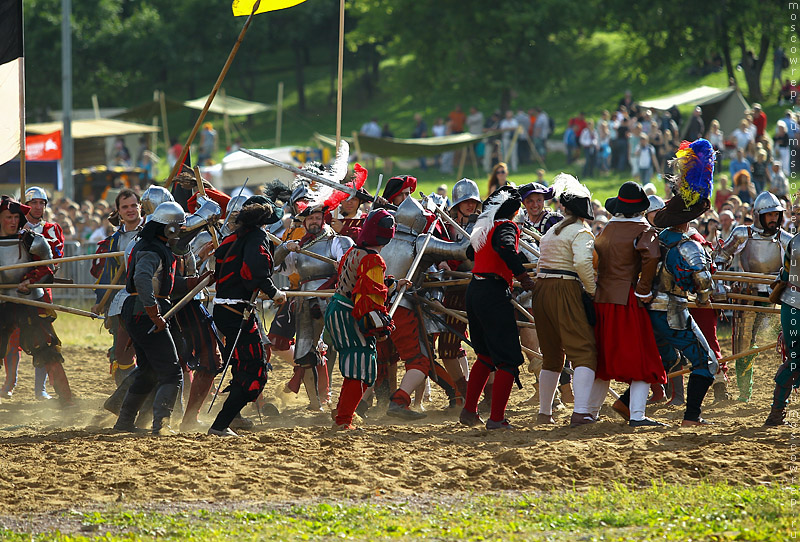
x=56, y=261
x=58, y=285
x=184, y=151
x=729, y=358
x=43, y=305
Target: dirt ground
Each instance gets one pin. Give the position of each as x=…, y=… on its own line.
x=52, y=461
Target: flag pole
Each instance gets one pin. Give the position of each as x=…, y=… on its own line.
x=177, y=167
x=339, y=83
x=22, y=187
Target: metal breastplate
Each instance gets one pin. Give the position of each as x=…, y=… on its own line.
x=761, y=255
x=12, y=251
x=791, y=295
x=398, y=254
x=314, y=272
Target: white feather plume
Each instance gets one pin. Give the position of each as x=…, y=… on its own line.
x=566, y=187
x=319, y=193
x=485, y=222
x=339, y=169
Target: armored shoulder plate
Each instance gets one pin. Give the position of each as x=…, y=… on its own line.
x=693, y=253
x=733, y=244
x=39, y=247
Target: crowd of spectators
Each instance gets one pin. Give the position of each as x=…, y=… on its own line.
x=85, y=222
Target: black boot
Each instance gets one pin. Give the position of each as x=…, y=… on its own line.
x=128, y=411
x=776, y=418
x=114, y=402
x=163, y=404
x=695, y=393
x=677, y=397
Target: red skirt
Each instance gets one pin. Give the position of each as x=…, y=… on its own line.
x=626, y=346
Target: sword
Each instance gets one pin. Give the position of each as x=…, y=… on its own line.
x=377, y=192
x=245, y=317
x=303, y=173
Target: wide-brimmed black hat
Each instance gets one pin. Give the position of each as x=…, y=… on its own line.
x=631, y=199
x=676, y=212
x=276, y=213
x=578, y=206
x=503, y=202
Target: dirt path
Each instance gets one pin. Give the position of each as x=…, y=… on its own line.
x=51, y=461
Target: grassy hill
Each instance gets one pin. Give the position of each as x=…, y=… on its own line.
x=604, y=66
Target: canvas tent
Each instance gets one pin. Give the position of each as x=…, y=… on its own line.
x=727, y=105
x=236, y=167
x=409, y=148
x=221, y=105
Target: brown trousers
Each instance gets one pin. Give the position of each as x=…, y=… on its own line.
x=561, y=325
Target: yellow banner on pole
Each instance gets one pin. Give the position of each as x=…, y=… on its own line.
x=245, y=7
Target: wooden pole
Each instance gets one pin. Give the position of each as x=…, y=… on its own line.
x=59, y=285
x=462, y=160
x=340, y=75
x=162, y=100
x=756, y=298
x=177, y=167
x=744, y=308
x=749, y=280
x=225, y=120
x=57, y=261
x=279, y=119
x=726, y=359
x=764, y=276
x=319, y=257
x=22, y=187
x=43, y=305
x=357, y=145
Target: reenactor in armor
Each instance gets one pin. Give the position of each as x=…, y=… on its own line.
x=151, y=280
x=464, y=209
x=399, y=253
x=786, y=292
x=37, y=336
x=313, y=274
x=685, y=268
x=760, y=247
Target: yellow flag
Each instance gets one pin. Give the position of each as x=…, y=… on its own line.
x=245, y=7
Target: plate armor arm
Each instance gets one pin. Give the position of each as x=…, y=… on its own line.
x=697, y=260
x=732, y=246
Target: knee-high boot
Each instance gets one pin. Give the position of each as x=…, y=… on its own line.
x=128, y=411
x=163, y=405
x=114, y=402
x=58, y=377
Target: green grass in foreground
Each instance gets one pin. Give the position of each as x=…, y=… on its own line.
x=663, y=512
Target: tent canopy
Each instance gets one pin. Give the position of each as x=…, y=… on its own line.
x=230, y=105
x=237, y=166
x=409, y=148
x=727, y=105
x=85, y=129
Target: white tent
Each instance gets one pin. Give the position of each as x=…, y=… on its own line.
x=236, y=167
x=727, y=105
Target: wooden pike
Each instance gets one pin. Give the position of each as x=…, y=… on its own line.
x=225, y=67
x=77, y=286
x=57, y=261
x=745, y=308
x=729, y=358
x=745, y=297
x=522, y=309
x=765, y=276
x=748, y=280
x=43, y=305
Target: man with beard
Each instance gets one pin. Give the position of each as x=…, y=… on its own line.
x=760, y=247
x=308, y=311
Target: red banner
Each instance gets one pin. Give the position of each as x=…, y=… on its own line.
x=43, y=147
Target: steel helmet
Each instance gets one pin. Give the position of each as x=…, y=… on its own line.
x=153, y=197
x=767, y=202
x=171, y=215
x=656, y=204
x=35, y=192
x=464, y=190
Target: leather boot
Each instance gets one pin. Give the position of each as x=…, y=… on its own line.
x=720, y=392
x=461, y=387
x=566, y=393
x=58, y=377
x=676, y=387
x=696, y=390
x=128, y=412
x=163, y=405
x=198, y=391
x=310, y=383
x=114, y=402
x=776, y=418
